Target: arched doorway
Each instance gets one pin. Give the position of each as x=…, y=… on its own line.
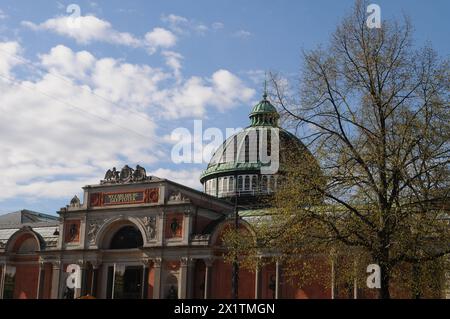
x=21, y=279
x=125, y=281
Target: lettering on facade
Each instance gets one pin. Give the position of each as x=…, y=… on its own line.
x=124, y=198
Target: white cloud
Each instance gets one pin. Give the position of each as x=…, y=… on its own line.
x=183, y=25
x=85, y=30
x=223, y=91
x=217, y=25
x=173, y=60
x=242, y=34
x=189, y=178
x=256, y=76
x=58, y=134
x=3, y=15
x=89, y=29
x=159, y=38
x=64, y=61
x=8, y=50
x=62, y=129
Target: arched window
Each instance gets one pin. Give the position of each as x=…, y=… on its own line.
x=247, y=183
x=127, y=237
x=264, y=183
x=235, y=148
x=231, y=184
x=213, y=186
x=254, y=182
x=247, y=149
x=239, y=186
x=225, y=184
x=220, y=185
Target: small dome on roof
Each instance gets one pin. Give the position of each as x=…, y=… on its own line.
x=264, y=113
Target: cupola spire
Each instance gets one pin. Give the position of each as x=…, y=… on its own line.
x=264, y=113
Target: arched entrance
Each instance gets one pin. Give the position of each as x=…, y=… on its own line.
x=22, y=276
x=125, y=280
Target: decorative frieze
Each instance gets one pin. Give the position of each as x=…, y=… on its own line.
x=149, y=223
x=177, y=196
x=93, y=228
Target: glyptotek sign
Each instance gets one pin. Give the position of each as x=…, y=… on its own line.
x=145, y=196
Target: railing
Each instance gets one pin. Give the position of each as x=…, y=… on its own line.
x=253, y=192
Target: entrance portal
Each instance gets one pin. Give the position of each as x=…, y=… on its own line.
x=126, y=285
x=132, y=283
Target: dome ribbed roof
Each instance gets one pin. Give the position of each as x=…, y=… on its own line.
x=239, y=153
x=235, y=155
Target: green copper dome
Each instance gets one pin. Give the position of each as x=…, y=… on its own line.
x=264, y=113
x=237, y=156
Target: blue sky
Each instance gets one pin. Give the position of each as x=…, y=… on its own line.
x=77, y=101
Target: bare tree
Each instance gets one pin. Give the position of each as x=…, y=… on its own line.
x=378, y=113
x=374, y=112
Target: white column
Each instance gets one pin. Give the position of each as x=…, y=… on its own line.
x=208, y=265
x=182, y=291
x=2, y=280
x=56, y=277
x=41, y=280
x=144, y=285
x=161, y=228
x=277, y=279
x=187, y=226
x=157, y=264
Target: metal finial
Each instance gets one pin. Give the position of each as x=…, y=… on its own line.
x=265, y=87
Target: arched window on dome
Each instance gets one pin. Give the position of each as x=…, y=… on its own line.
x=220, y=179
x=231, y=184
x=239, y=186
x=257, y=145
x=247, y=149
x=225, y=184
x=247, y=183
x=264, y=184
x=213, y=186
x=254, y=182
x=235, y=148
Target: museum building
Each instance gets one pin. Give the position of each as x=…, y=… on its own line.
x=137, y=236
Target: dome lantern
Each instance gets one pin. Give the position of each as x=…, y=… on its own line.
x=264, y=113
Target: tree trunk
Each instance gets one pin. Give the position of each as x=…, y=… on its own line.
x=385, y=278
